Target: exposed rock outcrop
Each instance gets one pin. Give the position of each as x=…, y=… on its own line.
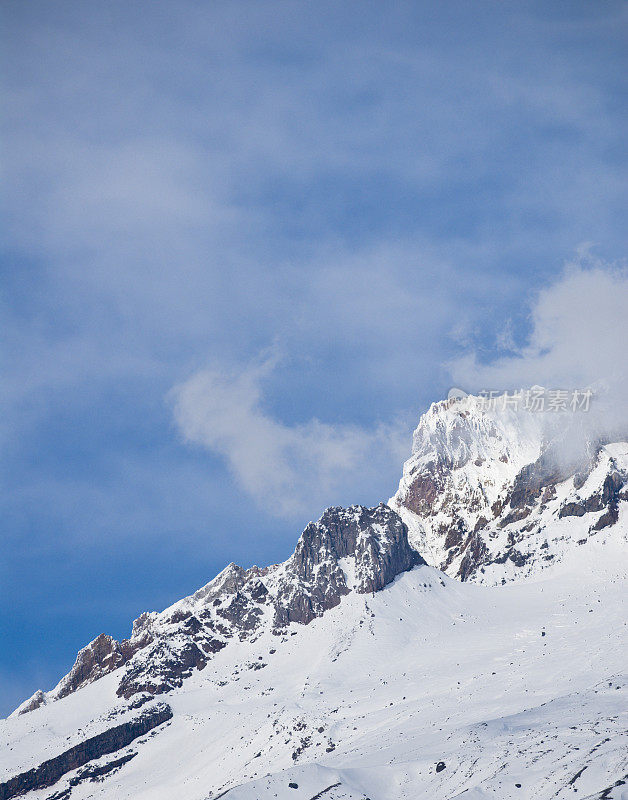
x=375, y=542
x=109, y=741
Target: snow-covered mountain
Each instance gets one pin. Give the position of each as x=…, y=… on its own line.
x=494, y=495
x=466, y=640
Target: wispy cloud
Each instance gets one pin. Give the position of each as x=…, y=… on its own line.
x=286, y=468
x=577, y=339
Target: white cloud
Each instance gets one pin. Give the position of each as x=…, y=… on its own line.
x=578, y=338
x=288, y=469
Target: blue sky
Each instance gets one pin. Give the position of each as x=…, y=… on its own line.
x=243, y=245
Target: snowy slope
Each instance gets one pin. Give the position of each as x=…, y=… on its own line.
x=354, y=670
x=379, y=691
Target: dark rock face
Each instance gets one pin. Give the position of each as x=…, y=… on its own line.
x=544, y=473
x=374, y=538
x=110, y=741
x=100, y=657
x=573, y=510
x=94, y=772
x=174, y=666
x=242, y=609
x=608, y=498
x=613, y=484
x=424, y=490
x=37, y=700
x=165, y=649
x=475, y=554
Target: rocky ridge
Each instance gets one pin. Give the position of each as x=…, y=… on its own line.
x=356, y=549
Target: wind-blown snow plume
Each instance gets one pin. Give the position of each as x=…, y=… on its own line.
x=579, y=331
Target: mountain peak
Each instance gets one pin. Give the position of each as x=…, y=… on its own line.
x=485, y=489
